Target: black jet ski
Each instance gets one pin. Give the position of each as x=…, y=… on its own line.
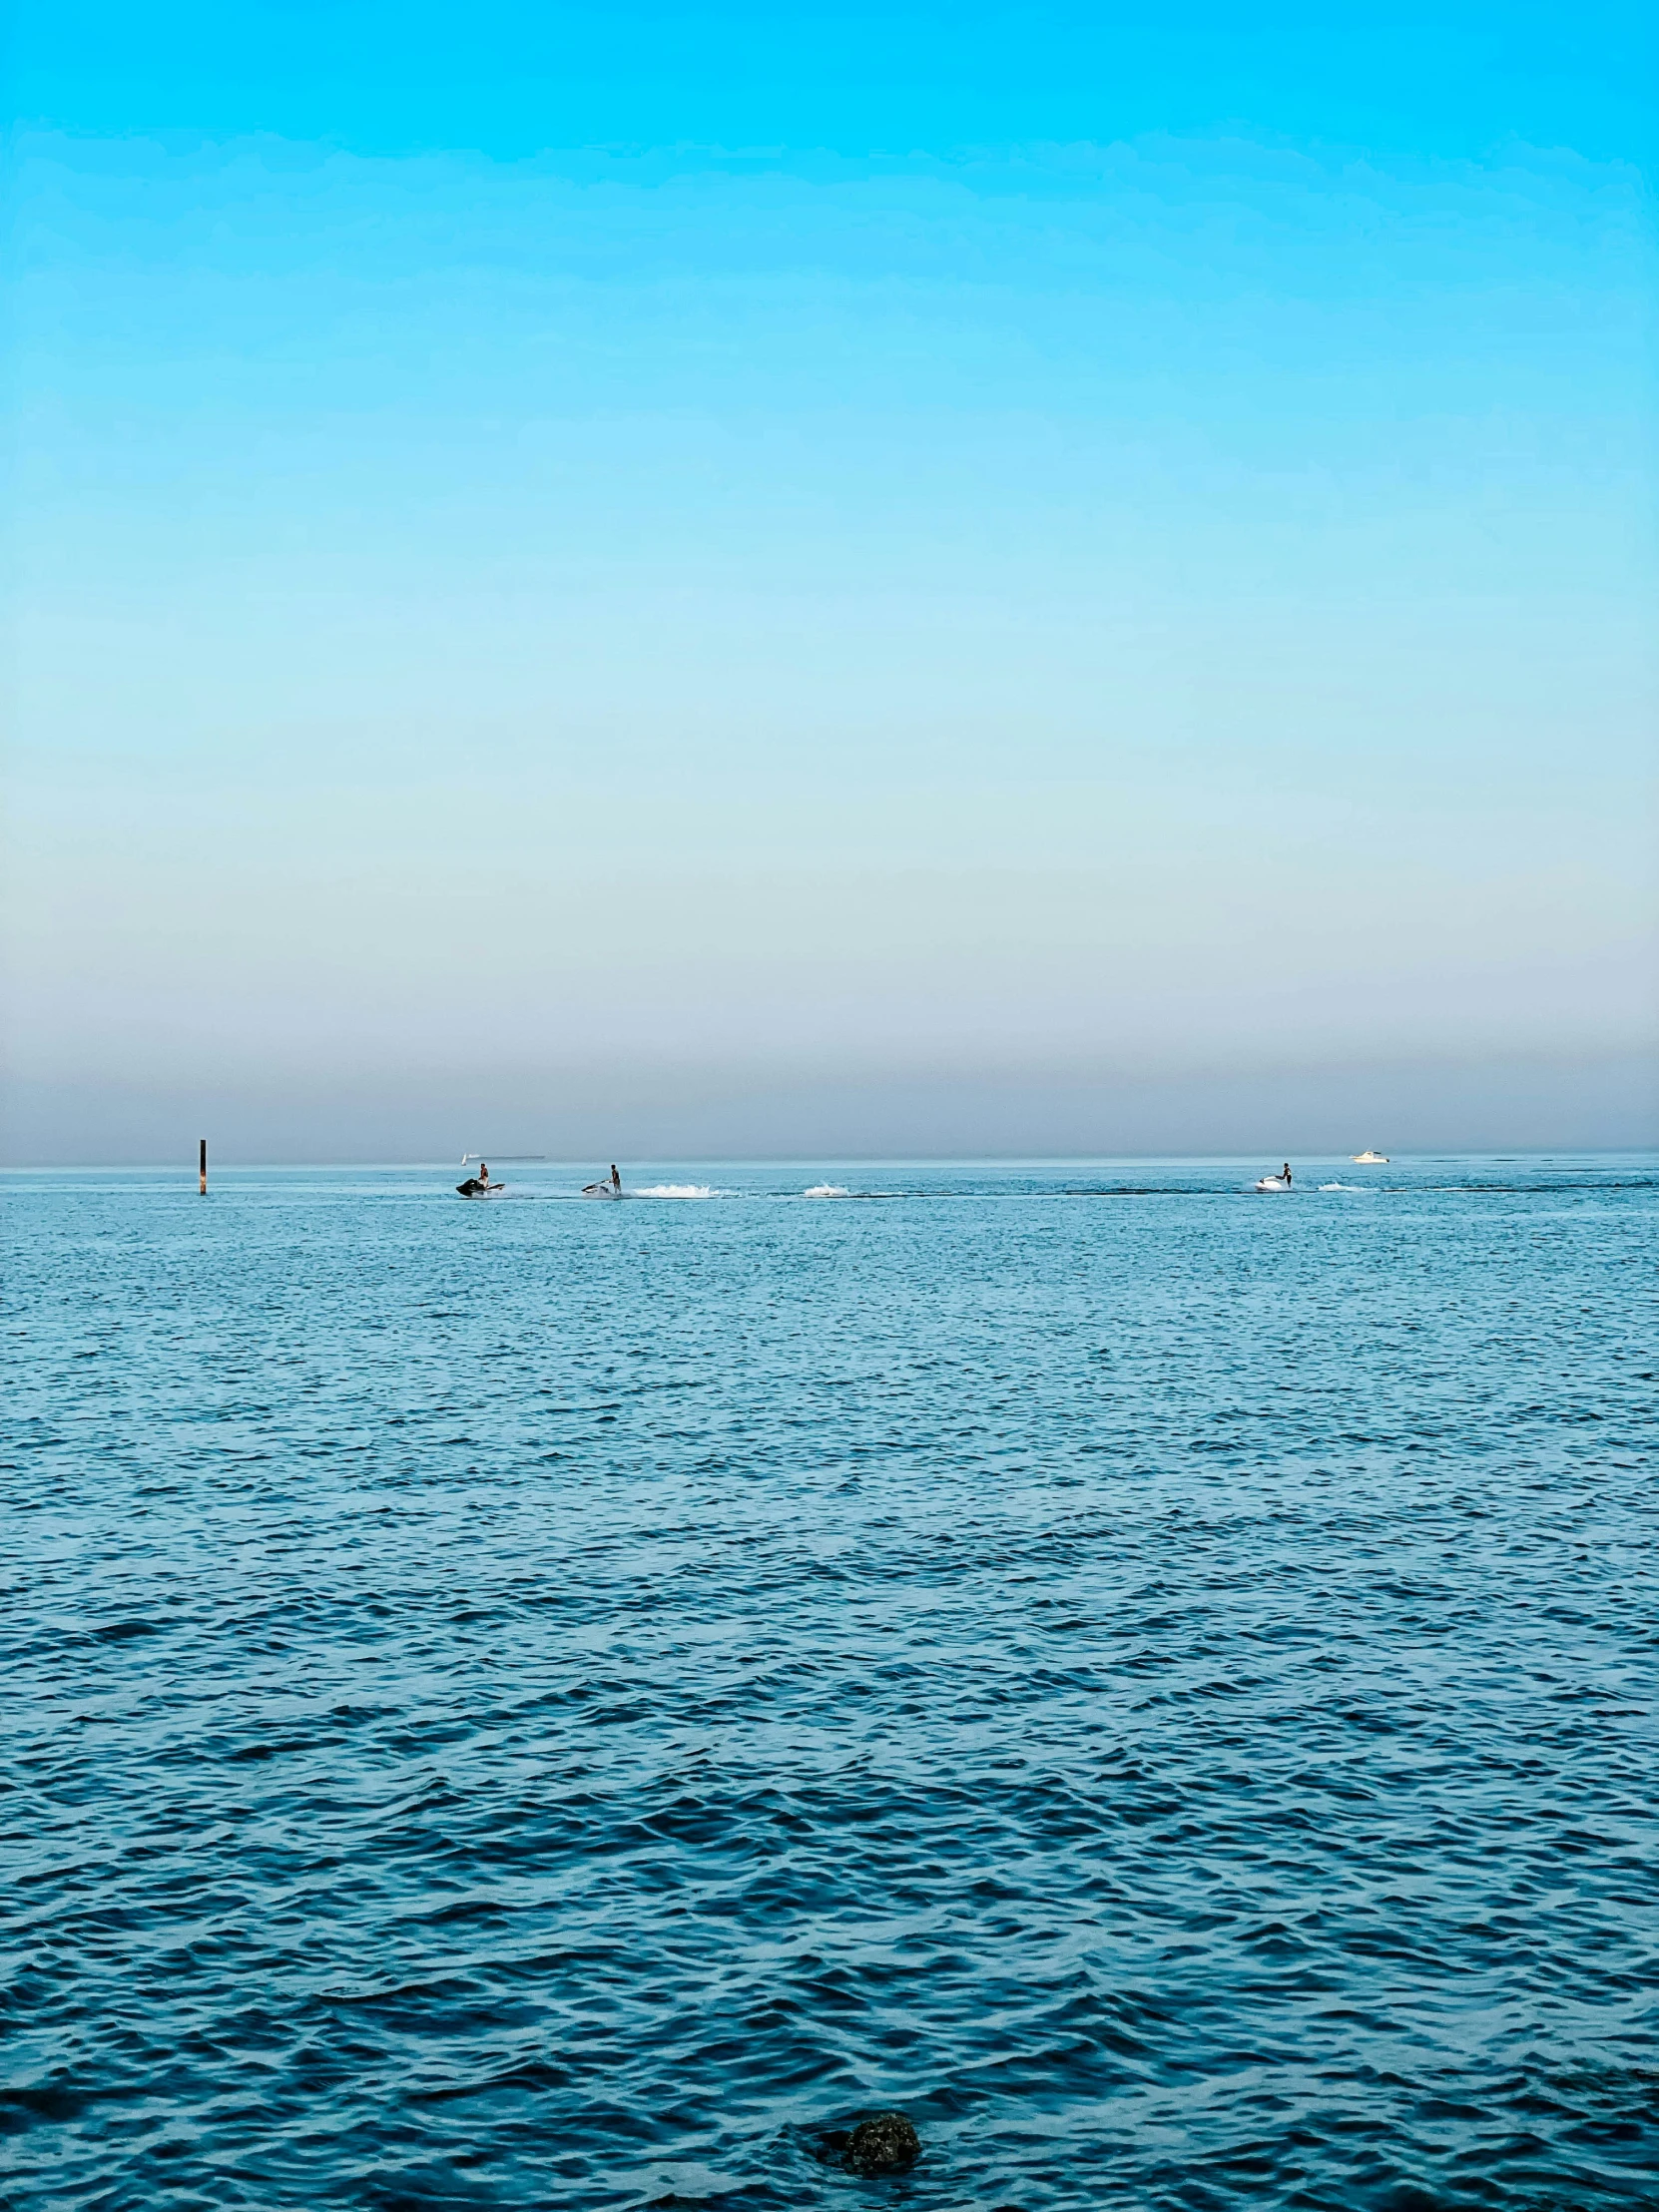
x=473, y=1188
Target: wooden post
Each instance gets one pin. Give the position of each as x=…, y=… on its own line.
x=202, y=1185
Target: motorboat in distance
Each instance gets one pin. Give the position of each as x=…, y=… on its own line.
x=1370, y=1159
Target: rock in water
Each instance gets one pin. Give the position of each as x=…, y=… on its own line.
x=884, y=2145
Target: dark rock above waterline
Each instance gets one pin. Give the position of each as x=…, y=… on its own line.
x=885, y=2144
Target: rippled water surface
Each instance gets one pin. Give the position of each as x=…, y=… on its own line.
x=562, y=1702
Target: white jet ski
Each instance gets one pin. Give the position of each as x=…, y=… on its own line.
x=1273, y=1182
x=610, y=1188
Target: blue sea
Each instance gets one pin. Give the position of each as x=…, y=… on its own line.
x=555, y=1703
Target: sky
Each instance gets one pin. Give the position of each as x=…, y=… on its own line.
x=733, y=580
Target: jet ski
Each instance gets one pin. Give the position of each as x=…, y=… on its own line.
x=600, y=1190
x=473, y=1188
x=1273, y=1182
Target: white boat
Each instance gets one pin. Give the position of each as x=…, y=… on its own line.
x=1370, y=1159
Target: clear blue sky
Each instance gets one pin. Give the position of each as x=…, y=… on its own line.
x=771, y=578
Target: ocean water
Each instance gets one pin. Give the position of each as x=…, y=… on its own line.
x=550, y=1703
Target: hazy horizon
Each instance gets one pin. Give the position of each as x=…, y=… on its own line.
x=880, y=579
x=1194, y=1115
